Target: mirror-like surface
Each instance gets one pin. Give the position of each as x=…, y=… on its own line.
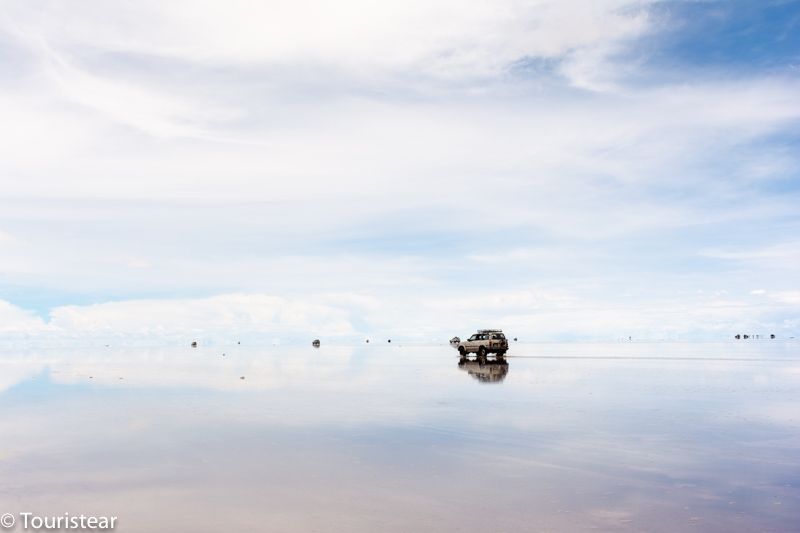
x=557, y=437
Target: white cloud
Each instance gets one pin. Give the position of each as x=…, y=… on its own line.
x=15, y=320
x=229, y=314
x=782, y=255
x=129, y=104
x=787, y=297
x=442, y=38
x=388, y=154
x=532, y=313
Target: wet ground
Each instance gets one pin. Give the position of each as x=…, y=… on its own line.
x=558, y=437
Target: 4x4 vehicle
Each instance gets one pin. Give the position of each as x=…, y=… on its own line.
x=485, y=341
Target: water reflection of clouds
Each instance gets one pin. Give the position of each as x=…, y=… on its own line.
x=402, y=436
x=181, y=367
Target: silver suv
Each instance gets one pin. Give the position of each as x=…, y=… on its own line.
x=483, y=342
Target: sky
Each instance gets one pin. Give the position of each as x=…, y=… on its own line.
x=561, y=169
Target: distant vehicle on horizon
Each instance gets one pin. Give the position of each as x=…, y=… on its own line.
x=485, y=341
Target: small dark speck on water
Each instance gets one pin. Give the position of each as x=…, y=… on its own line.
x=241, y=377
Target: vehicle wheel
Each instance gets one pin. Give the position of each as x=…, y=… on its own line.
x=462, y=351
x=501, y=354
x=482, y=352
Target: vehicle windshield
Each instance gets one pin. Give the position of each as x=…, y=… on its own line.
x=474, y=337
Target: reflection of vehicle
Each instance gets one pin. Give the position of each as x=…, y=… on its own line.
x=483, y=342
x=485, y=371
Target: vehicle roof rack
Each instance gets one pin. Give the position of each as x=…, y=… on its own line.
x=490, y=331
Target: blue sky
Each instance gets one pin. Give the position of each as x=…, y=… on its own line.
x=564, y=170
x=753, y=36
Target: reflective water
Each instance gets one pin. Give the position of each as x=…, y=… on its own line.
x=558, y=437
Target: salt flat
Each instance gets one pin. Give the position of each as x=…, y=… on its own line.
x=563, y=437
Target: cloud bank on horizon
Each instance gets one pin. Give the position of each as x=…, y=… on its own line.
x=562, y=169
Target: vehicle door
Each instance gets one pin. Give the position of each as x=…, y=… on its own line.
x=495, y=341
x=472, y=342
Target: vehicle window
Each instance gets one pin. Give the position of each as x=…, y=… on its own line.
x=497, y=336
x=474, y=337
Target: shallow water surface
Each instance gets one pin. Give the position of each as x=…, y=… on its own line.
x=559, y=437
